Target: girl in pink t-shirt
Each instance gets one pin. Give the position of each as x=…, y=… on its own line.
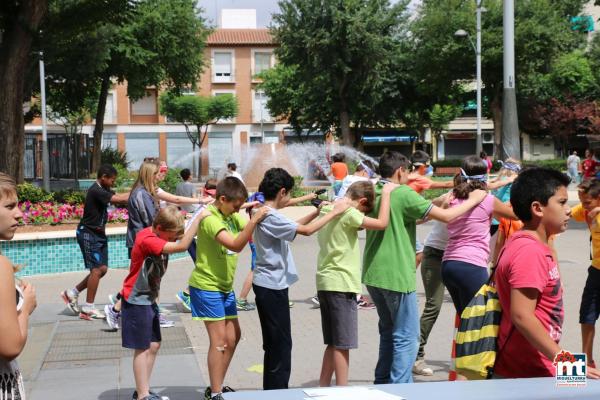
x=464, y=265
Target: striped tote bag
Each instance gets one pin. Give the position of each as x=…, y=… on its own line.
x=476, y=338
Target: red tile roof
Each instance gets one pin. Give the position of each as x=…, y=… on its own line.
x=240, y=37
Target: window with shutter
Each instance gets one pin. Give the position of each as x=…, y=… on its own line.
x=222, y=68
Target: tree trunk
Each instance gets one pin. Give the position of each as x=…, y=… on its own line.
x=496, y=109
x=15, y=53
x=347, y=135
x=99, y=127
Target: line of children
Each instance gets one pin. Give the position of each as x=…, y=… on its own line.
x=465, y=261
x=219, y=239
x=392, y=285
x=140, y=315
x=275, y=271
x=91, y=237
x=587, y=211
x=338, y=275
x=528, y=278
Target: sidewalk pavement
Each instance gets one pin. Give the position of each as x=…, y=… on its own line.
x=67, y=358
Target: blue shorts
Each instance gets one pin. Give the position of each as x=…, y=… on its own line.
x=253, y=260
x=94, y=247
x=140, y=325
x=207, y=305
x=590, y=299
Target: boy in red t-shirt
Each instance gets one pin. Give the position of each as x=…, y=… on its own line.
x=139, y=311
x=528, y=278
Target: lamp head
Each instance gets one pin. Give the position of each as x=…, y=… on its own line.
x=461, y=33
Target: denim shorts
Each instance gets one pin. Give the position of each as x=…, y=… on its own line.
x=208, y=305
x=590, y=299
x=140, y=325
x=94, y=247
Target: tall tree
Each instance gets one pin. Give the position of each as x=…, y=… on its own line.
x=147, y=43
x=336, y=61
x=543, y=31
x=19, y=24
x=162, y=46
x=197, y=113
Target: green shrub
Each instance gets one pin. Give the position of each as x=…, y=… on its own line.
x=32, y=193
x=171, y=180
x=112, y=156
x=558, y=164
x=124, y=179
x=70, y=196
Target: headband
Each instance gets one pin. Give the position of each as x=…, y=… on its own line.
x=510, y=166
x=370, y=172
x=480, y=178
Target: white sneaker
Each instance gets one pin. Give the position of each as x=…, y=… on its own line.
x=113, y=318
x=421, y=368
x=90, y=313
x=315, y=301
x=71, y=300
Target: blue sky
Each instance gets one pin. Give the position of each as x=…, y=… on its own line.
x=264, y=9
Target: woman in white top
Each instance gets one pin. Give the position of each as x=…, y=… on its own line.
x=17, y=300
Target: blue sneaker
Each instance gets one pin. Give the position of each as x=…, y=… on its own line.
x=184, y=298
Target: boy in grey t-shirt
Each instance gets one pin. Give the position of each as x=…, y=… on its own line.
x=187, y=189
x=275, y=271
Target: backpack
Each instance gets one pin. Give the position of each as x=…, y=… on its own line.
x=476, y=348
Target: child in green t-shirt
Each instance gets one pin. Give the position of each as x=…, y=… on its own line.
x=220, y=237
x=338, y=276
x=389, y=270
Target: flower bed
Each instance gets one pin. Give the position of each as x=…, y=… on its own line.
x=51, y=213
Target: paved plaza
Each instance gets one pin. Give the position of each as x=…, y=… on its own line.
x=68, y=358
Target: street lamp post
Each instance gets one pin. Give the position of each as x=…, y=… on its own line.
x=477, y=48
x=45, y=158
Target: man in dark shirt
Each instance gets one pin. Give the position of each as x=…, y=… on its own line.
x=92, y=240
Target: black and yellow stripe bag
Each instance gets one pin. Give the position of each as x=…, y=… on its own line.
x=476, y=340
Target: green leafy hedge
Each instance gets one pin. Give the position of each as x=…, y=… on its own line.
x=27, y=191
x=559, y=164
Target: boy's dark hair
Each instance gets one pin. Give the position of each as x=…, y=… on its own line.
x=106, y=170
x=419, y=157
x=362, y=189
x=535, y=184
x=232, y=166
x=274, y=180
x=338, y=157
x=232, y=188
x=210, y=184
x=185, y=174
x=472, y=165
x=590, y=187
x=390, y=161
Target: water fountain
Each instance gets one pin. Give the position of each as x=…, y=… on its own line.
x=308, y=160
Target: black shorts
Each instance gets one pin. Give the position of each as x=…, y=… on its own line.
x=339, y=319
x=140, y=325
x=590, y=299
x=94, y=247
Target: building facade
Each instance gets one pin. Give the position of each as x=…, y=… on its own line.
x=234, y=58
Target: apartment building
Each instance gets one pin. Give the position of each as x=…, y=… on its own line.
x=234, y=57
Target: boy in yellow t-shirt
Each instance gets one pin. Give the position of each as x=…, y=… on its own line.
x=589, y=212
x=221, y=236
